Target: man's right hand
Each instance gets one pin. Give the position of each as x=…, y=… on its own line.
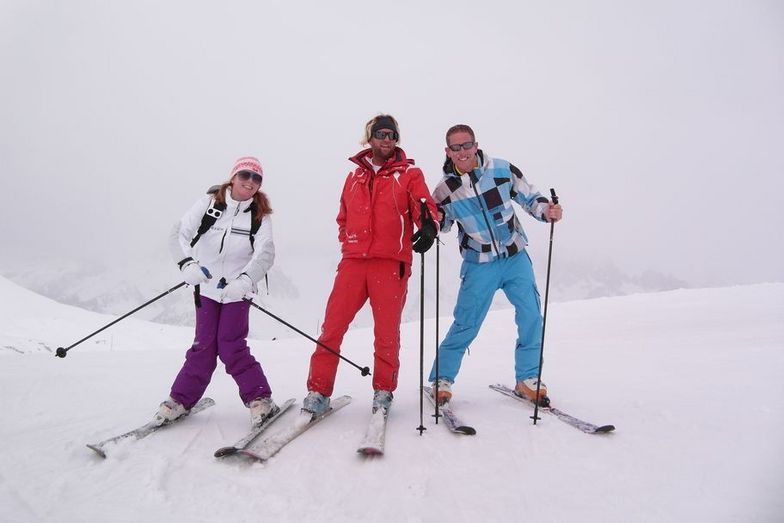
x=554, y=212
x=423, y=239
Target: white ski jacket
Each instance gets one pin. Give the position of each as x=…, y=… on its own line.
x=225, y=249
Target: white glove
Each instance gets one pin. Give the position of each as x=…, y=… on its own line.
x=237, y=288
x=193, y=274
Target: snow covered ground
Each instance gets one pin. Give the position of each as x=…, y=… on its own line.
x=692, y=380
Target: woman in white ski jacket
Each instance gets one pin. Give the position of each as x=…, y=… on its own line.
x=223, y=246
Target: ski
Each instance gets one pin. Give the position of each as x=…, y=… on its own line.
x=254, y=433
x=373, y=442
x=452, y=422
x=147, y=429
x=588, y=428
x=271, y=445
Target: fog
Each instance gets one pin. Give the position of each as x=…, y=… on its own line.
x=660, y=124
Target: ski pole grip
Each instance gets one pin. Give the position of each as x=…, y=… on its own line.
x=554, y=196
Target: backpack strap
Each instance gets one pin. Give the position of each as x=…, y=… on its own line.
x=210, y=216
x=254, y=223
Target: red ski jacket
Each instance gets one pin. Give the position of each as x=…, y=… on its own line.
x=378, y=210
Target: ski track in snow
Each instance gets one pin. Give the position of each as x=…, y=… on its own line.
x=691, y=379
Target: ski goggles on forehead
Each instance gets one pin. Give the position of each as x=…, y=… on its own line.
x=465, y=145
x=248, y=175
x=380, y=135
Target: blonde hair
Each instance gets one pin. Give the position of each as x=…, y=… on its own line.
x=369, y=128
x=263, y=207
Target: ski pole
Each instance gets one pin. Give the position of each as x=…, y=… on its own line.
x=62, y=352
x=364, y=370
x=535, y=417
x=438, y=279
x=423, y=213
x=421, y=427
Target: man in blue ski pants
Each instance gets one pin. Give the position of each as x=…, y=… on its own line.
x=477, y=192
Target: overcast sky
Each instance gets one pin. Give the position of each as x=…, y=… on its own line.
x=660, y=124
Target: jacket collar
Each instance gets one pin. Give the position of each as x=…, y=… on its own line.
x=397, y=162
x=449, y=166
x=231, y=202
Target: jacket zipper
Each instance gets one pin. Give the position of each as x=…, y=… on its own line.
x=474, y=181
x=226, y=231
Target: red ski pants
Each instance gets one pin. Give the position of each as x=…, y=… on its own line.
x=385, y=283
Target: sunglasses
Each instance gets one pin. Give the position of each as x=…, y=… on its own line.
x=380, y=135
x=247, y=175
x=465, y=145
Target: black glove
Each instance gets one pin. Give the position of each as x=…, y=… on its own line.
x=423, y=239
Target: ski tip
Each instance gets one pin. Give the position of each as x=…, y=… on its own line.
x=604, y=429
x=465, y=429
x=98, y=450
x=225, y=451
x=370, y=451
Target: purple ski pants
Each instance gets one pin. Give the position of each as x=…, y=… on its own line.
x=221, y=331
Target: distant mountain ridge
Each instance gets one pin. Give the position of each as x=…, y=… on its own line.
x=121, y=287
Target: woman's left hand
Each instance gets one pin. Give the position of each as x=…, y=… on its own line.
x=237, y=288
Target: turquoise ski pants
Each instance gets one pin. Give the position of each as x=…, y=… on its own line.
x=480, y=281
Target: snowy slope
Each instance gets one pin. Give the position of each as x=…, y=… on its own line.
x=692, y=380
x=32, y=323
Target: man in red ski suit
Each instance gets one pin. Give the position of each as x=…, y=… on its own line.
x=381, y=201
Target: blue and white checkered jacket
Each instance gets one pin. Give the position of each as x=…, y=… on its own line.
x=481, y=204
